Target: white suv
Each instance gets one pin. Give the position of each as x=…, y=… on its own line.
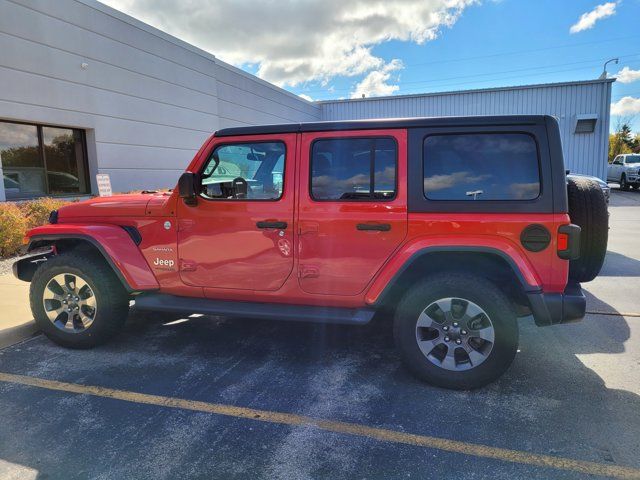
x=625, y=170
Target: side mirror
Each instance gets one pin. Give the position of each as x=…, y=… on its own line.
x=187, y=187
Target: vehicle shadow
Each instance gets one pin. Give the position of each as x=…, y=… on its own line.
x=550, y=401
x=618, y=265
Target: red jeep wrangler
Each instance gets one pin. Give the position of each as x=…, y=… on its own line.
x=453, y=227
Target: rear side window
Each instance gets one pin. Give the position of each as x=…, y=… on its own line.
x=354, y=169
x=481, y=166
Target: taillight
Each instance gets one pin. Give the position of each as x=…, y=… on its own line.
x=569, y=242
x=563, y=241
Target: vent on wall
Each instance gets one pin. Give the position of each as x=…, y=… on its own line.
x=586, y=123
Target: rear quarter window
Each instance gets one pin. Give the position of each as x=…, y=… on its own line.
x=481, y=167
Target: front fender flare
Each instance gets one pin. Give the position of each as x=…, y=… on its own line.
x=408, y=254
x=112, y=241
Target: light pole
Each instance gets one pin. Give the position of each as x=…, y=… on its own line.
x=603, y=75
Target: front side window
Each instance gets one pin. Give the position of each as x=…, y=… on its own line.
x=354, y=169
x=245, y=171
x=38, y=160
x=481, y=166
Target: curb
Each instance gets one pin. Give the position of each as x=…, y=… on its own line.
x=11, y=336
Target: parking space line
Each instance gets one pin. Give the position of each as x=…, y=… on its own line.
x=614, y=314
x=381, y=434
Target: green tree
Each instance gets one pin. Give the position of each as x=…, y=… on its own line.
x=621, y=141
x=636, y=143
x=617, y=146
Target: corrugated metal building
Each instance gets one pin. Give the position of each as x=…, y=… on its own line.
x=87, y=89
x=582, y=110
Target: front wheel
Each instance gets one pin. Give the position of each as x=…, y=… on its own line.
x=77, y=301
x=456, y=331
x=623, y=183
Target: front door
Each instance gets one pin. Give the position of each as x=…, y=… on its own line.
x=352, y=207
x=240, y=233
x=615, y=170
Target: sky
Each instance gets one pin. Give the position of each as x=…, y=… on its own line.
x=334, y=49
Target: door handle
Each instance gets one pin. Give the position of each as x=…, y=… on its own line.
x=278, y=225
x=380, y=227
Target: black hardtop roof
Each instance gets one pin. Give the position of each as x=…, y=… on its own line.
x=386, y=123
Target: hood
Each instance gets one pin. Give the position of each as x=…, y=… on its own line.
x=132, y=205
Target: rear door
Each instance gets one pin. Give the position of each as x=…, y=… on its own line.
x=352, y=207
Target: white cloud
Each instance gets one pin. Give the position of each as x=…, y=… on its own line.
x=306, y=97
x=589, y=19
x=440, y=182
x=626, y=75
x=626, y=106
x=305, y=40
x=376, y=84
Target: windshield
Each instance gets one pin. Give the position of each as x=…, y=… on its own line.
x=633, y=159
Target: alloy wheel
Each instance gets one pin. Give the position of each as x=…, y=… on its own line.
x=70, y=303
x=455, y=334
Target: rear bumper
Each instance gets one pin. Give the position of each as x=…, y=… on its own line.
x=553, y=308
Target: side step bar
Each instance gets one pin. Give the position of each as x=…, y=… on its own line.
x=271, y=311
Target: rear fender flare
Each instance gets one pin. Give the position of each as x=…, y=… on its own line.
x=414, y=251
x=111, y=241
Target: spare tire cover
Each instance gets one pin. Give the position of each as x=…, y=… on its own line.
x=588, y=210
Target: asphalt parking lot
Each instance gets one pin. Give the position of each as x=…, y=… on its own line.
x=206, y=397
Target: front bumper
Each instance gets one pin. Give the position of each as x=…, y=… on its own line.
x=553, y=308
x=633, y=179
x=24, y=268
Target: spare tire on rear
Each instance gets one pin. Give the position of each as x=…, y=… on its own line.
x=588, y=210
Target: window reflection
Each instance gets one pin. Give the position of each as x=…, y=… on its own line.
x=481, y=167
x=343, y=169
x=62, y=149
x=22, y=164
x=41, y=160
x=253, y=171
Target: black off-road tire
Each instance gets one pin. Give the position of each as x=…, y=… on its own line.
x=472, y=288
x=111, y=297
x=588, y=210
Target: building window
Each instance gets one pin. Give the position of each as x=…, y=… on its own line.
x=586, y=123
x=362, y=169
x=481, y=166
x=39, y=160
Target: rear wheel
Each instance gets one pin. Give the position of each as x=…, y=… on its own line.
x=77, y=301
x=456, y=331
